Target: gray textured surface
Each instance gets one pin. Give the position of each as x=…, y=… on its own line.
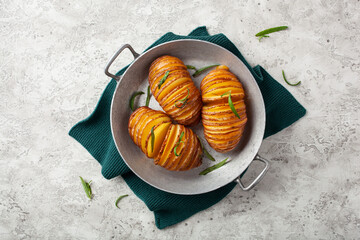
x=52, y=55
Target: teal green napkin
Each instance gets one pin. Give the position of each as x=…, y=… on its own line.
x=94, y=134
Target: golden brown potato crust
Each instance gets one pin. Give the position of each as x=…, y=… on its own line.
x=177, y=85
x=166, y=139
x=222, y=128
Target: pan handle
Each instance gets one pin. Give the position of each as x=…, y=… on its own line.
x=123, y=47
x=258, y=178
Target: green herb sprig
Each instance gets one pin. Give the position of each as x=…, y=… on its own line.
x=191, y=67
x=232, y=107
x=291, y=84
x=152, y=139
x=183, y=101
x=214, y=167
x=87, y=188
x=206, y=153
x=177, y=144
x=148, y=96
x=225, y=93
x=132, y=99
x=263, y=37
x=201, y=70
x=163, y=79
x=118, y=200
x=263, y=33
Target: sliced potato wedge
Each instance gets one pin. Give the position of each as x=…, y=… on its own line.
x=179, y=154
x=141, y=122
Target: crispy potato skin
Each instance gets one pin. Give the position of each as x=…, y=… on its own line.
x=222, y=129
x=167, y=135
x=176, y=87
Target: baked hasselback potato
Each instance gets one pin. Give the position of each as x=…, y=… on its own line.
x=181, y=149
x=224, y=111
x=173, y=147
x=142, y=123
x=172, y=87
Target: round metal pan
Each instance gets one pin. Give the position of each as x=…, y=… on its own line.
x=197, y=53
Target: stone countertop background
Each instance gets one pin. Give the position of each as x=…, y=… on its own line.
x=52, y=55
